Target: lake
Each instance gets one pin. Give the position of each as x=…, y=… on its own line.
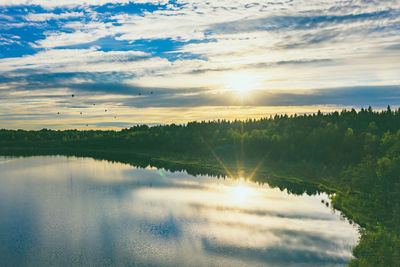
x=69, y=211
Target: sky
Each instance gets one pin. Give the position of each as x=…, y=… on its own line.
x=98, y=64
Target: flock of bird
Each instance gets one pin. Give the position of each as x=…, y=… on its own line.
x=58, y=113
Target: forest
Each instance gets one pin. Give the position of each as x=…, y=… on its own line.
x=353, y=154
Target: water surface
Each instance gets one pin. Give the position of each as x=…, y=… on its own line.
x=79, y=211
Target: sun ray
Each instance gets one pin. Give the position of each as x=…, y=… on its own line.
x=217, y=158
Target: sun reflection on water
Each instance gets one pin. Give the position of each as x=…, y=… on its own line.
x=241, y=192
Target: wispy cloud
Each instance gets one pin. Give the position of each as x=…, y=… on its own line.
x=49, y=16
x=72, y=3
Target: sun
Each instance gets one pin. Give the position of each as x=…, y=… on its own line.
x=241, y=82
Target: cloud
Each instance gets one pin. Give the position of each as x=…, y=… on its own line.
x=393, y=47
x=49, y=16
x=363, y=96
x=65, y=58
x=289, y=23
x=71, y=3
x=83, y=33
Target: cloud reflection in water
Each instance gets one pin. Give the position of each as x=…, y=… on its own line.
x=79, y=211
